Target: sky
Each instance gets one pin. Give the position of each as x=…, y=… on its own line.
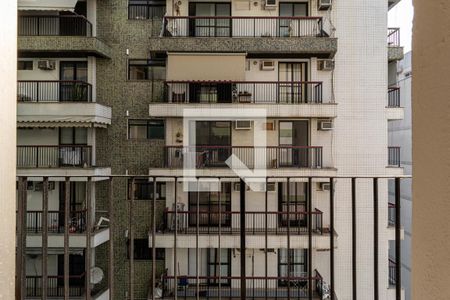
x=402, y=16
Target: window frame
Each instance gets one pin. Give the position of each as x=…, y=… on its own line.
x=291, y=265
x=25, y=63
x=210, y=262
x=142, y=181
x=147, y=4
x=148, y=126
x=148, y=64
x=142, y=250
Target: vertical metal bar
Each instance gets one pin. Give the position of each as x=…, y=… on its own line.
x=197, y=228
x=154, y=239
x=332, y=238
x=310, y=286
x=44, y=224
x=242, y=233
x=375, y=239
x=111, y=241
x=66, y=237
x=398, y=278
x=88, y=257
x=354, y=238
x=21, y=237
x=289, y=262
x=266, y=241
x=131, y=243
x=219, y=238
x=175, y=236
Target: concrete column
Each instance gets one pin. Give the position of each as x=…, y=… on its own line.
x=8, y=71
x=92, y=15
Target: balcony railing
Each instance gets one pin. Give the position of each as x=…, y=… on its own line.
x=55, y=286
x=230, y=286
x=62, y=25
x=239, y=26
x=391, y=214
x=392, y=272
x=55, y=221
x=54, y=156
x=294, y=222
x=393, y=37
x=394, y=97
x=394, y=156
x=263, y=92
x=53, y=91
x=268, y=157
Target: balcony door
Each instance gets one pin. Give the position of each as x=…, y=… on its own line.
x=209, y=205
x=295, y=203
x=77, y=192
x=72, y=150
x=293, y=138
x=76, y=271
x=287, y=26
x=213, y=141
x=210, y=27
x=215, y=268
x=290, y=74
x=70, y=72
x=292, y=263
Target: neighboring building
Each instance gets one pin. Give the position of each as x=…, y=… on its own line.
x=102, y=88
x=400, y=134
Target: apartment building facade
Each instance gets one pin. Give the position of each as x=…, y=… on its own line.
x=102, y=91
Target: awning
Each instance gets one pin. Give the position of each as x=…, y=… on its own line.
x=47, y=4
x=206, y=66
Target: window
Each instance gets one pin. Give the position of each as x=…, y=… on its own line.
x=72, y=136
x=296, y=204
x=25, y=65
x=146, y=9
x=292, y=263
x=143, y=190
x=142, y=251
x=146, y=129
x=209, y=203
x=214, y=268
x=142, y=69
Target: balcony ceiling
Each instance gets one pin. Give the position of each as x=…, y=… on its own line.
x=47, y=4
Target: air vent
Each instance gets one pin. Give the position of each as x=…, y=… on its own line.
x=325, y=125
x=267, y=65
x=325, y=65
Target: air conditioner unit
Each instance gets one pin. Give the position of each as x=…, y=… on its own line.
x=243, y=125
x=267, y=65
x=270, y=4
x=46, y=65
x=324, y=4
x=325, y=125
x=325, y=65
x=324, y=186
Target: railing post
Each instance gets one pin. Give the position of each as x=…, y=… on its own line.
x=332, y=239
x=398, y=283
x=243, y=240
x=375, y=238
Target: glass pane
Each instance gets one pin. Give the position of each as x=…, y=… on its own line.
x=286, y=133
x=67, y=71
x=138, y=72
x=300, y=10
x=223, y=9
x=204, y=9
x=66, y=136
x=157, y=72
x=80, y=136
x=81, y=71
x=138, y=132
x=156, y=130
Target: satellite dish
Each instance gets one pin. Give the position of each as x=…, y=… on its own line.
x=96, y=275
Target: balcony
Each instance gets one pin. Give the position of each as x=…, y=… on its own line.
x=395, y=51
x=393, y=109
x=394, y=157
x=51, y=102
x=305, y=36
x=56, y=222
x=256, y=287
x=280, y=99
x=60, y=156
x=55, y=286
x=41, y=36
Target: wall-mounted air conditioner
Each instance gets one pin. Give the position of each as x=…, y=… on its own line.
x=46, y=65
x=243, y=125
x=324, y=4
x=267, y=65
x=325, y=125
x=324, y=186
x=325, y=65
x=271, y=4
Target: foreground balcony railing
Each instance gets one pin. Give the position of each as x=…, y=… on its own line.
x=392, y=272
x=274, y=156
x=55, y=286
x=394, y=97
x=55, y=25
x=393, y=37
x=54, y=156
x=211, y=287
x=263, y=92
x=53, y=91
x=294, y=222
x=394, y=156
x=239, y=26
x=56, y=221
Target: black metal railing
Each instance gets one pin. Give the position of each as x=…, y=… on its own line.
x=149, y=10
x=294, y=222
x=55, y=221
x=392, y=272
x=57, y=25
x=54, y=156
x=237, y=26
x=393, y=37
x=53, y=91
x=264, y=92
x=230, y=286
x=253, y=157
x=394, y=156
x=394, y=97
x=391, y=214
x=55, y=286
